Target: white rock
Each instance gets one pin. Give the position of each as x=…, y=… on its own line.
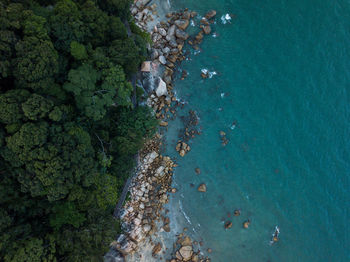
x=137, y=221
x=162, y=59
x=160, y=171
x=162, y=31
x=161, y=89
x=171, y=31
x=147, y=228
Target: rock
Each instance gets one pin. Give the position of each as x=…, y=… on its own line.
x=146, y=66
x=186, y=252
x=178, y=256
x=210, y=14
x=199, y=36
x=198, y=171
x=246, y=223
x=156, y=37
x=181, y=34
x=166, y=50
x=161, y=89
x=147, y=228
x=202, y=188
x=154, y=54
x=209, y=250
x=137, y=221
x=182, y=24
x=171, y=31
x=157, y=248
x=160, y=171
x=228, y=224
x=162, y=60
x=134, y=11
x=140, y=3
x=163, y=123
x=195, y=258
x=206, y=29
x=237, y=212
x=139, y=16
x=166, y=228
x=162, y=31
x=182, y=153
x=204, y=21
x=193, y=14
x=173, y=43
x=222, y=133
x=186, y=241
x=186, y=15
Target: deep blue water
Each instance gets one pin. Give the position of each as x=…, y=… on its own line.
x=284, y=69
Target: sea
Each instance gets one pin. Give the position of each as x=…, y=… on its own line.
x=279, y=87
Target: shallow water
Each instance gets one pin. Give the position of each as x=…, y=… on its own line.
x=283, y=74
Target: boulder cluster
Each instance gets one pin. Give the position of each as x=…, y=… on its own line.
x=143, y=213
x=224, y=140
x=185, y=251
x=182, y=148
x=148, y=195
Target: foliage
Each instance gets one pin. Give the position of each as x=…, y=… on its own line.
x=68, y=130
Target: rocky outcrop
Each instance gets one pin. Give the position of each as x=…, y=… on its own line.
x=149, y=190
x=182, y=148
x=185, y=251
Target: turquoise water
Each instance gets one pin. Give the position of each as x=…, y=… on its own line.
x=284, y=75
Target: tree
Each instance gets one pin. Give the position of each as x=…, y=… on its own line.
x=78, y=51
x=36, y=63
x=125, y=53
x=66, y=25
x=37, y=107
x=10, y=106
x=91, y=99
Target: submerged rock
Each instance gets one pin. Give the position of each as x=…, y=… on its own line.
x=157, y=248
x=206, y=29
x=181, y=34
x=246, y=223
x=182, y=24
x=210, y=14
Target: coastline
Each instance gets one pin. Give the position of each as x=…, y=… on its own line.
x=143, y=216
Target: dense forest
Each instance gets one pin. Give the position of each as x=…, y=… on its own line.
x=68, y=127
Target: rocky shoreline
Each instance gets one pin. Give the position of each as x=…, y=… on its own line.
x=144, y=214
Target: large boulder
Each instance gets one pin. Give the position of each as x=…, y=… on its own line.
x=161, y=88
x=162, y=59
x=146, y=66
x=186, y=252
x=162, y=31
x=181, y=34
x=171, y=30
x=182, y=23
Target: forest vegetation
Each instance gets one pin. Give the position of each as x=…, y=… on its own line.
x=68, y=128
